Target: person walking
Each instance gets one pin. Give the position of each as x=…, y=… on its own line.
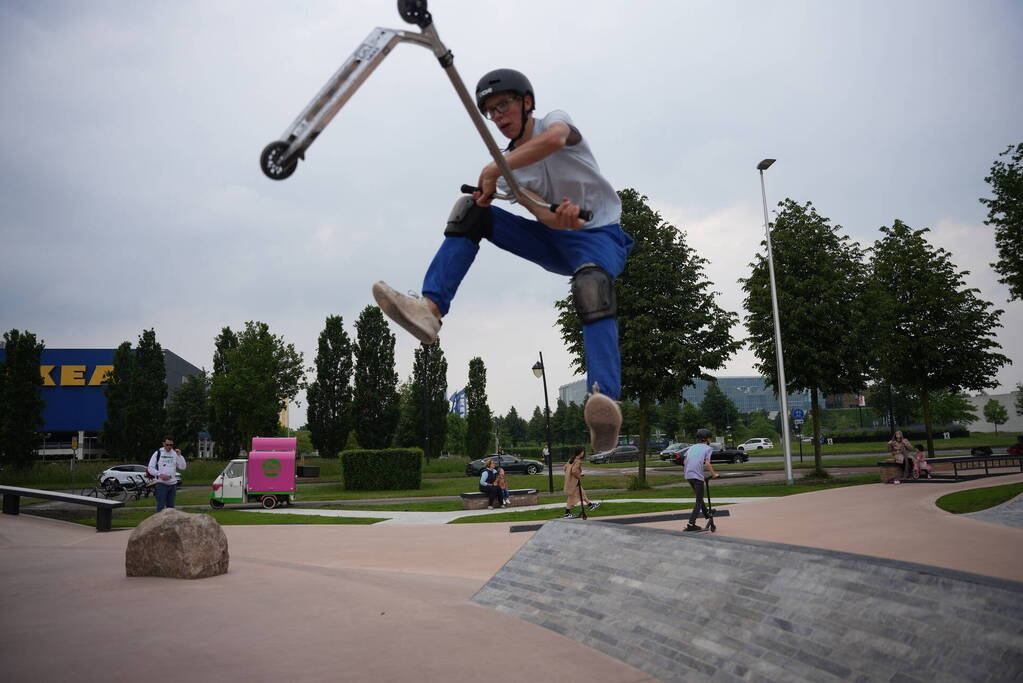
x=697, y=459
x=574, y=485
x=553, y=162
x=164, y=465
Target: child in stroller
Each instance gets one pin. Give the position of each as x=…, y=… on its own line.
x=921, y=468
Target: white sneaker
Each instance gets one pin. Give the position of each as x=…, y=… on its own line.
x=604, y=418
x=411, y=312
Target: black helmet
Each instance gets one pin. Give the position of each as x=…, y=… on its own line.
x=703, y=434
x=503, y=80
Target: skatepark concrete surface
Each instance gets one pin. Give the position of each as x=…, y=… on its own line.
x=391, y=602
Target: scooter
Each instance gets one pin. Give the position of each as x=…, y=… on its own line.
x=280, y=158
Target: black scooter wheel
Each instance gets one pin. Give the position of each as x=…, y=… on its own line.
x=270, y=161
x=414, y=12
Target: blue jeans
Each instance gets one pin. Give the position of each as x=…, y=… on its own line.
x=557, y=251
x=165, y=496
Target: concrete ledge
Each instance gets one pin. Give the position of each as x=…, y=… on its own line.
x=704, y=607
x=478, y=501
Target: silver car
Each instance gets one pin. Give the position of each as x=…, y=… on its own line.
x=129, y=474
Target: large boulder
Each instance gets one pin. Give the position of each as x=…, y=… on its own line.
x=177, y=545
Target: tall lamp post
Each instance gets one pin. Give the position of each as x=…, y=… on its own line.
x=539, y=371
x=783, y=389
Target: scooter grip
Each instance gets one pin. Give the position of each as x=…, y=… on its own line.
x=469, y=189
x=585, y=215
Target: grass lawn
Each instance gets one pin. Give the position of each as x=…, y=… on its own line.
x=605, y=510
x=976, y=500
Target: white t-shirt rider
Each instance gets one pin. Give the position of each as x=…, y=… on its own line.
x=570, y=172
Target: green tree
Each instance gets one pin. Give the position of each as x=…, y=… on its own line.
x=690, y=419
x=823, y=314
x=558, y=423
x=424, y=411
x=263, y=373
x=329, y=396
x=136, y=391
x=375, y=402
x=1005, y=213
x=223, y=411
x=149, y=394
x=536, y=427
x=937, y=333
x=454, y=438
x=671, y=328
x=478, y=434
x=117, y=390
x=717, y=409
x=995, y=413
x=576, y=431
x=668, y=417
x=515, y=428
x=948, y=407
x=188, y=412
x=21, y=402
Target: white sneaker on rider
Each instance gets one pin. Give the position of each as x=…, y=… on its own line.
x=604, y=418
x=410, y=311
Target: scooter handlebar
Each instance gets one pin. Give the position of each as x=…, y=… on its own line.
x=583, y=213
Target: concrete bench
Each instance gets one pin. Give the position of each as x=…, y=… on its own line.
x=104, y=508
x=478, y=501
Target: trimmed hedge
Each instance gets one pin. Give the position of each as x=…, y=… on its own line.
x=390, y=469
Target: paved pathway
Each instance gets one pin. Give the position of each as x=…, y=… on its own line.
x=403, y=517
x=1009, y=513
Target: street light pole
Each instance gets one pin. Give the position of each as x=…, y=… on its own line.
x=540, y=371
x=782, y=387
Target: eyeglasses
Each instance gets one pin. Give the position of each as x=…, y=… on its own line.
x=499, y=108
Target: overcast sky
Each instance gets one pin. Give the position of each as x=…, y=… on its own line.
x=131, y=131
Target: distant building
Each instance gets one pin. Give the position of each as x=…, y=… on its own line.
x=75, y=404
x=749, y=394
x=1015, y=423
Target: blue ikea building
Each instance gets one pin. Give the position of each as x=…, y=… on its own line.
x=73, y=381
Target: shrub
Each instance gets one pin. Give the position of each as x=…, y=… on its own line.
x=390, y=469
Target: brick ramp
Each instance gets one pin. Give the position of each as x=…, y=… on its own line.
x=685, y=607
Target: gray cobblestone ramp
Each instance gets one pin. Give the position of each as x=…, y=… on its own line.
x=709, y=608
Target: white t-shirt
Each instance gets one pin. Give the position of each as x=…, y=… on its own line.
x=570, y=172
x=696, y=456
x=166, y=462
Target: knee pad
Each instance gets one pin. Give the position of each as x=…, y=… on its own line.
x=594, y=293
x=470, y=220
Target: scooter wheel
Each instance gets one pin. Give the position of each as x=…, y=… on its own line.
x=414, y=12
x=270, y=161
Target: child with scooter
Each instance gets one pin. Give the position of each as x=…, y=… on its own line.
x=697, y=459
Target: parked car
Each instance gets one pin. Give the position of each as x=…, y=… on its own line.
x=511, y=463
x=653, y=446
x=755, y=444
x=720, y=455
x=128, y=474
x=673, y=449
x=616, y=454
x=1016, y=448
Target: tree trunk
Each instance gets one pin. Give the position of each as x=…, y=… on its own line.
x=891, y=412
x=644, y=407
x=925, y=398
x=817, y=466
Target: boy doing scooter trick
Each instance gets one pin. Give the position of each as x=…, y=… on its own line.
x=552, y=161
